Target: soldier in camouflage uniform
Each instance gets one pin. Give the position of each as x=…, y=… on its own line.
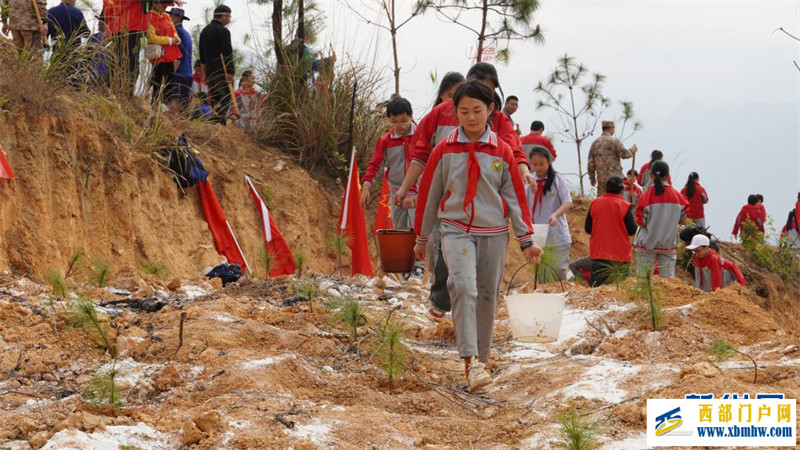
x=19, y=17
x=604, y=157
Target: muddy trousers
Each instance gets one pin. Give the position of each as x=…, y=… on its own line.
x=401, y=217
x=646, y=260
x=439, y=296
x=476, y=266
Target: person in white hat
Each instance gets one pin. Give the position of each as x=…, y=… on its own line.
x=711, y=271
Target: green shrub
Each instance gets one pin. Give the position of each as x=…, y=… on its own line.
x=101, y=272
x=577, y=432
x=58, y=286
x=155, y=268
x=649, y=297
x=348, y=313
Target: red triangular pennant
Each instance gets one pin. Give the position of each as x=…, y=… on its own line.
x=282, y=261
x=5, y=168
x=225, y=241
x=353, y=224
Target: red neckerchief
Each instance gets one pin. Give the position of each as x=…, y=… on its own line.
x=473, y=174
x=539, y=194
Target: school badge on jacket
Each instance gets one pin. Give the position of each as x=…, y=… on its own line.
x=497, y=165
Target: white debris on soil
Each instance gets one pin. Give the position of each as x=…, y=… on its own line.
x=129, y=372
x=394, y=302
x=315, y=431
x=193, y=292
x=259, y=363
x=601, y=380
x=117, y=291
x=113, y=437
x=334, y=293
x=227, y=318
x=635, y=442
x=231, y=432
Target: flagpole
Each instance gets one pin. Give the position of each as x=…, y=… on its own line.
x=343, y=225
x=239, y=247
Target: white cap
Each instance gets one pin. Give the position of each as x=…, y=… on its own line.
x=698, y=240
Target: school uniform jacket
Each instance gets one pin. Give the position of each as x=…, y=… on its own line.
x=473, y=186
x=532, y=140
x=626, y=193
x=609, y=223
x=797, y=216
x=696, y=209
x=714, y=272
x=751, y=213
x=439, y=123
x=645, y=180
x=658, y=217
x=392, y=151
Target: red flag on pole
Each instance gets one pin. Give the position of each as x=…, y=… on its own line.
x=383, y=218
x=5, y=168
x=225, y=241
x=353, y=224
x=281, y=259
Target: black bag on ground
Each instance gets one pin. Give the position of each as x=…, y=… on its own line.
x=228, y=273
x=187, y=167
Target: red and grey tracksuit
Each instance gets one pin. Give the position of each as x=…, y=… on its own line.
x=714, y=272
x=532, y=140
x=626, y=193
x=432, y=129
x=393, y=152
x=656, y=241
x=696, y=210
x=750, y=213
x=472, y=188
x=645, y=180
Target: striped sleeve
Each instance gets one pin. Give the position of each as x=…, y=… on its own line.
x=431, y=191
x=513, y=191
x=423, y=136
x=376, y=162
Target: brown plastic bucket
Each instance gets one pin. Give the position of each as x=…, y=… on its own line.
x=396, y=250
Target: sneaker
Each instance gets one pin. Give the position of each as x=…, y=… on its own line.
x=477, y=377
x=436, y=314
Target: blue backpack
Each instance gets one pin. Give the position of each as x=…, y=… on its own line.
x=187, y=167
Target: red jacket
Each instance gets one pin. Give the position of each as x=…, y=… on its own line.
x=626, y=193
x=751, y=213
x=609, y=239
x=537, y=139
x=123, y=16
x=696, y=209
x=714, y=272
x=644, y=176
x=439, y=123
x=797, y=216
x=160, y=31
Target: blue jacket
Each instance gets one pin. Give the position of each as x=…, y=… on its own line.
x=66, y=24
x=185, y=67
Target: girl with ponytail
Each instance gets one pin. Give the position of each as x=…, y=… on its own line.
x=658, y=213
x=645, y=180
x=697, y=197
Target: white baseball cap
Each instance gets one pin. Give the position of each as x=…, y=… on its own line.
x=699, y=240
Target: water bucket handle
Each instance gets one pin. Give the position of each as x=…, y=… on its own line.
x=536, y=276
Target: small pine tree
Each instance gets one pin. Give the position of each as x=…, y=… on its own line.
x=102, y=388
x=83, y=314
x=577, y=433
x=349, y=314
x=58, y=286
x=337, y=243
x=648, y=295
x=155, y=268
x=72, y=262
x=300, y=258
x=100, y=274
x=545, y=271
x=266, y=260
x=722, y=350
x=391, y=351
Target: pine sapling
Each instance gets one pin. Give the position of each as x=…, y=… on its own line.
x=102, y=388
x=337, y=243
x=100, y=273
x=722, y=350
x=83, y=314
x=577, y=432
x=58, y=285
x=649, y=297
x=350, y=315
x=155, y=268
x=391, y=351
x=614, y=273
x=300, y=259
x=72, y=263
x=266, y=260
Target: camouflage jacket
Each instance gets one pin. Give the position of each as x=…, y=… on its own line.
x=20, y=14
x=604, y=158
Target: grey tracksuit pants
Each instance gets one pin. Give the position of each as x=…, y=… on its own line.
x=647, y=261
x=476, y=266
x=401, y=217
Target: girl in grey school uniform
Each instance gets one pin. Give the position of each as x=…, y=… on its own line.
x=549, y=201
x=471, y=186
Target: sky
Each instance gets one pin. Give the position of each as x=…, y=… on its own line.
x=712, y=81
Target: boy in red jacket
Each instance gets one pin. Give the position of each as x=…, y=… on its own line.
x=712, y=272
x=536, y=137
x=749, y=212
x=632, y=195
x=393, y=151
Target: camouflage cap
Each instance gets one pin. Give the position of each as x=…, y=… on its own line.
x=607, y=123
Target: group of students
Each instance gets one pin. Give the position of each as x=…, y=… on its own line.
x=462, y=173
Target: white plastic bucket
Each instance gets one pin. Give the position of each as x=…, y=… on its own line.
x=540, y=234
x=535, y=317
